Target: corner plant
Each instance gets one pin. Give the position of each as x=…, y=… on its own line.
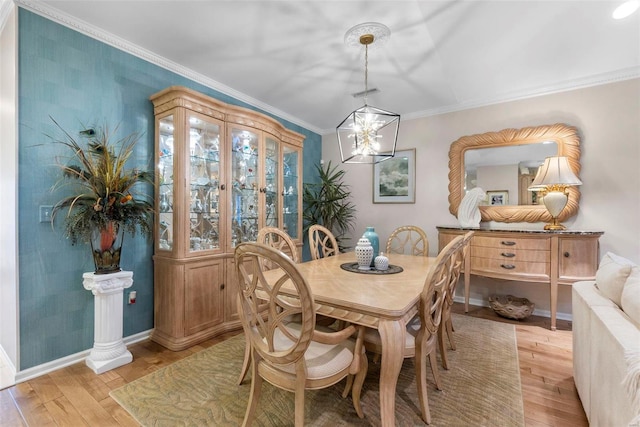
x=328, y=203
x=102, y=190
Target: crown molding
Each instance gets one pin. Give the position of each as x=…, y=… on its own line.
x=94, y=32
x=569, y=85
x=566, y=86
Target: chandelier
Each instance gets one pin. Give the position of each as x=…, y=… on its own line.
x=368, y=134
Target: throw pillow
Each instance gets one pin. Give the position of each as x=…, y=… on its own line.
x=631, y=295
x=612, y=274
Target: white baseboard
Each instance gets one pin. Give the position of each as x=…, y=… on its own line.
x=537, y=312
x=54, y=365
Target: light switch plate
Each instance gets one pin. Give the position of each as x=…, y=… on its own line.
x=45, y=213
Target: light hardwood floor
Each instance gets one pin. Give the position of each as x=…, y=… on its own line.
x=75, y=396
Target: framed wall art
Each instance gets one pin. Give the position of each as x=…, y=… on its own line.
x=498, y=198
x=394, y=180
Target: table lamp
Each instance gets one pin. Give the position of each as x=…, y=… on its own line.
x=553, y=179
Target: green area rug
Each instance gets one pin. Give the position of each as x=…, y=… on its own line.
x=482, y=388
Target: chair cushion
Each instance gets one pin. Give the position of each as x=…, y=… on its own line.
x=612, y=274
x=323, y=360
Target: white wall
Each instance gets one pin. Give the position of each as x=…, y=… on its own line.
x=8, y=189
x=608, y=121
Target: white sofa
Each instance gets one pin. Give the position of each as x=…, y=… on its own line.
x=606, y=343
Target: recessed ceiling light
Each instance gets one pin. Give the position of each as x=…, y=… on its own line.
x=626, y=9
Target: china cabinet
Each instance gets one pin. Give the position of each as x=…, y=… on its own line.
x=223, y=172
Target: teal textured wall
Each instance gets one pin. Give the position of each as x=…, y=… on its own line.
x=82, y=82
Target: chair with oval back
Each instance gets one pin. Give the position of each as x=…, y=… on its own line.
x=408, y=239
x=322, y=242
x=279, y=240
x=295, y=356
x=446, y=326
x=422, y=330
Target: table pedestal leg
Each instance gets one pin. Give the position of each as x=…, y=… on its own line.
x=392, y=335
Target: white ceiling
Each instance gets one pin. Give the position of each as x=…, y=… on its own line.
x=289, y=57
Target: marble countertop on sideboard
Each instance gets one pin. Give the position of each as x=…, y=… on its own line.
x=519, y=230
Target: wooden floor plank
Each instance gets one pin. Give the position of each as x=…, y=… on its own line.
x=65, y=413
x=71, y=387
x=30, y=405
x=118, y=412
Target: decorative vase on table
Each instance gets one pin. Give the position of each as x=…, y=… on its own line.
x=106, y=247
x=381, y=262
x=371, y=234
x=364, y=253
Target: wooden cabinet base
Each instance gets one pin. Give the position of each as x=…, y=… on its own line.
x=193, y=300
x=539, y=256
x=181, y=343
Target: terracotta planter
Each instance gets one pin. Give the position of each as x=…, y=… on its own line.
x=106, y=245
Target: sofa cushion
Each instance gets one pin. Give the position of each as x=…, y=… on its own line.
x=612, y=274
x=631, y=296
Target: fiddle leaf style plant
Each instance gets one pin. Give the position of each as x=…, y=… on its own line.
x=102, y=192
x=328, y=203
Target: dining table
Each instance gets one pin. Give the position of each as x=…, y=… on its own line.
x=384, y=300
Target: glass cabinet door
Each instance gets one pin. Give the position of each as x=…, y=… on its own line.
x=204, y=179
x=272, y=183
x=165, y=162
x=290, y=190
x=245, y=186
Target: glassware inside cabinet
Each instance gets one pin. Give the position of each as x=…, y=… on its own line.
x=272, y=172
x=245, y=192
x=165, y=186
x=290, y=190
x=204, y=164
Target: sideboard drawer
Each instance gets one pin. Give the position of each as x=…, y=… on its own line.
x=541, y=244
x=507, y=254
x=530, y=270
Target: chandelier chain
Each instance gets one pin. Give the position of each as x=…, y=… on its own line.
x=366, y=72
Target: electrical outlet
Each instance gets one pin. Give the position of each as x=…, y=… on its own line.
x=45, y=213
x=132, y=297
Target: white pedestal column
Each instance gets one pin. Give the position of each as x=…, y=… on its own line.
x=109, y=350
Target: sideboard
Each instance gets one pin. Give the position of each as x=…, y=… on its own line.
x=539, y=256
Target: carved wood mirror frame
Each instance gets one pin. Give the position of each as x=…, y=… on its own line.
x=568, y=141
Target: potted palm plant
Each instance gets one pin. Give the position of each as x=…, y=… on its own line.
x=328, y=203
x=103, y=196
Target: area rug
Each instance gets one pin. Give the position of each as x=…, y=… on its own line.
x=482, y=388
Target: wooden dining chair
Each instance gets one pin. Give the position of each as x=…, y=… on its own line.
x=408, y=239
x=294, y=356
x=422, y=332
x=322, y=242
x=446, y=326
x=280, y=240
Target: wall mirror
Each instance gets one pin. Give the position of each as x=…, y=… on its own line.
x=504, y=163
